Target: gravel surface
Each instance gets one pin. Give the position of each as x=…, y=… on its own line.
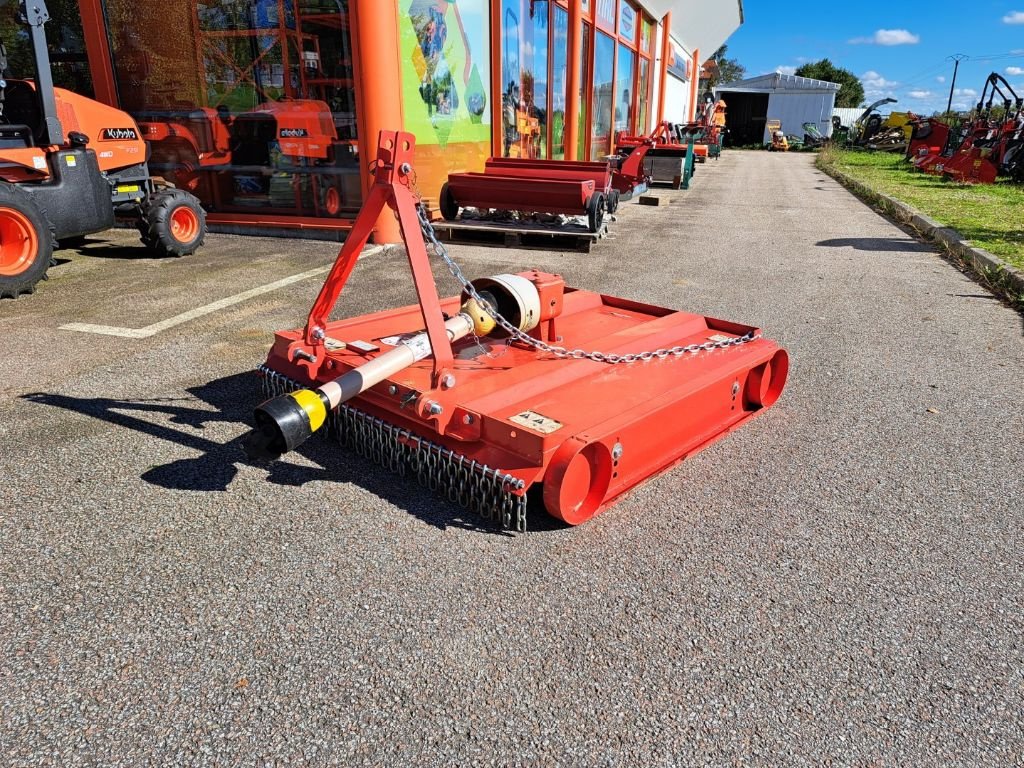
x=837, y=583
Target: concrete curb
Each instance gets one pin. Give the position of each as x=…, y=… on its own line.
x=996, y=274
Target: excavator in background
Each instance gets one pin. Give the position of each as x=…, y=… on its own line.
x=71, y=166
x=868, y=124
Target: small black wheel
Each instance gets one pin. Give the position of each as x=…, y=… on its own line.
x=595, y=212
x=449, y=205
x=173, y=223
x=26, y=242
x=613, y=201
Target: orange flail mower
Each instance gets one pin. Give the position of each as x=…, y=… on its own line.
x=489, y=395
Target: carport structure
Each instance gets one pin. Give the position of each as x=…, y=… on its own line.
x=790, y=99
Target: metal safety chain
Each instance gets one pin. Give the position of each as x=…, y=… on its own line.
x=496, y=496
x=430, y=236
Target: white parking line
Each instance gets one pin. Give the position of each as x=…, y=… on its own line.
x=192, y=314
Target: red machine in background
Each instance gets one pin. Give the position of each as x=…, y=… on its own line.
x=993, y=142
x=571, y=188
x=929, y=137
x=483, y=396
x=666, y=139
x=284, y=152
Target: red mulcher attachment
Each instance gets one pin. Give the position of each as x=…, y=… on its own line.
x=928, y=138
x=498, y=394
x=993, y=144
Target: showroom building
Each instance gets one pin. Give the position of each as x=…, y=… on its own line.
x=269, y=110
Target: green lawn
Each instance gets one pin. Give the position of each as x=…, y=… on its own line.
x=991, y=216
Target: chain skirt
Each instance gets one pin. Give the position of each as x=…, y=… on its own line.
x=495, y=496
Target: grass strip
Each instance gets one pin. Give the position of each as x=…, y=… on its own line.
x=991, y=216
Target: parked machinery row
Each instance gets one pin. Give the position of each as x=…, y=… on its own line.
x=549, y=187
x=988, y=145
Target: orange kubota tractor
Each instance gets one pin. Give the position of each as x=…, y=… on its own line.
x=71, y=166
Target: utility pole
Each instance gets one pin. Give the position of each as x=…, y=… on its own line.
x=957, y=58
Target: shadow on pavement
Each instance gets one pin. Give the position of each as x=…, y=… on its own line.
x=877, y=244
x=233, y=399
x=106, y=250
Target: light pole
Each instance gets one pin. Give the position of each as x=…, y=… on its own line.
x=957, y=59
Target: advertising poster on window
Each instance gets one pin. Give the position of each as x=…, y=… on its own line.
x=446, y=97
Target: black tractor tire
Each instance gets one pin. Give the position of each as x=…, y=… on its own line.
x=448, y=204
x=595, y=212
x=613, y=201
x=173, y=223
x=26, y=242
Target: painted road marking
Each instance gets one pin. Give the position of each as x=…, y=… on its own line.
x=192, y=314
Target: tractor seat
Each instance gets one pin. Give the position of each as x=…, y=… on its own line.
x=21, y=107
x=16, y=137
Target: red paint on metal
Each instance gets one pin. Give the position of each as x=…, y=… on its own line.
x=587, y=430
x=485, y=190
x=391, y=189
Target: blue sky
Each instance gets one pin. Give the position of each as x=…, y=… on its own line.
x=897, y=49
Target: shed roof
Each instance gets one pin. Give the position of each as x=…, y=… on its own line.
x=775, y=82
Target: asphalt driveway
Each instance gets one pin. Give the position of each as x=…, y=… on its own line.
x=841, y=581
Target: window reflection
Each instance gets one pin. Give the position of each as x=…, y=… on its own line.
x=624, y=88
x=604, y=98
x=64, y=40
x=558, y=83
x=524, y=69
x=249, y=105
x=644, y=100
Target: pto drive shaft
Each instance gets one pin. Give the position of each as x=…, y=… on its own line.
x=285, y=422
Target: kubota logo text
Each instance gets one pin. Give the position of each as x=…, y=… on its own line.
x=119, y=134
x=294, y=133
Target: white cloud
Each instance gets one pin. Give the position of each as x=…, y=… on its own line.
x=1014, y=17
x=888, y=37
x=786, y=70
x=940, y=79
x=920, y=94
x=970, y=93
x=872, y=79
x=1015, y=71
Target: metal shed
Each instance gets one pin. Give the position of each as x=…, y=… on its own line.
x=792, y=100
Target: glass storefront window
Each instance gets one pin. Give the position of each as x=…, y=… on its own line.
x=249, y=104
x=644, y=102
x=627, y=22
x=559, y=78
x=583, y=131
x=647, y=35
x=604, y=97
x=606, y=13
x=524, y=66
x=445, y=53
x=624, y=88
x=68, y=61
x=539, y=98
